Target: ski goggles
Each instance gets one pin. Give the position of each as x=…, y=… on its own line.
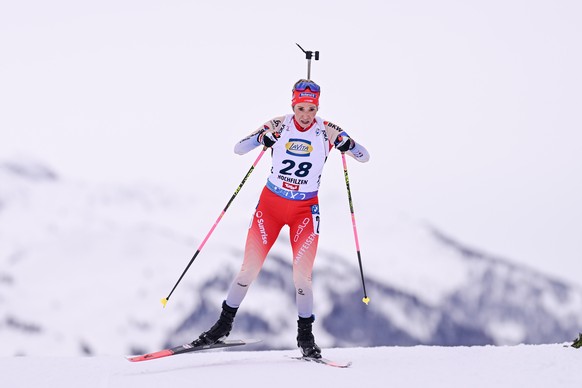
x=304, y=85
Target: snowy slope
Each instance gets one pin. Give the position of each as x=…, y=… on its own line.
x=533, y=366
x=83, y=267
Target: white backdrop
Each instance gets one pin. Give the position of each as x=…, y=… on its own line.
x=470, y=110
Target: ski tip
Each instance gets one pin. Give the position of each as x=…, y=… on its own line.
x=164, y=302
x=366, y=300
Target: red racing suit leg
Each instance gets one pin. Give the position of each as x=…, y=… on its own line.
x=272, y=213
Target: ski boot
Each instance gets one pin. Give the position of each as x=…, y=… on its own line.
x=221, y=328
x=305, y=338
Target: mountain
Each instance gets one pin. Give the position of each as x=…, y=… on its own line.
x=84, y=266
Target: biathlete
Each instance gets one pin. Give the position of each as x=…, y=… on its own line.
x=300, y=144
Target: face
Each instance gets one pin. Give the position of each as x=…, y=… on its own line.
x=305, y=113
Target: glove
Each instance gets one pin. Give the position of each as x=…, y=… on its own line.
x=268, y=139
x=344, y=143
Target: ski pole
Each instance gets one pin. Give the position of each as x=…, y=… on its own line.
x=165, y=300
x=365, y=299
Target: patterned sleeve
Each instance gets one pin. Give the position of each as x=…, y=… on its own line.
x=359, y=152
x=251, y=141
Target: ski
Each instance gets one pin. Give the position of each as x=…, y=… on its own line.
x=187, y=348
x=324, y=361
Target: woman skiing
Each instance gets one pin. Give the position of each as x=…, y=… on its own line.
x=300, y=144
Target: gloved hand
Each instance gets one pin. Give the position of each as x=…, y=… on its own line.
x=268, y=139
x=344, y=143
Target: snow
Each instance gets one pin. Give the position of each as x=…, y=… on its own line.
x=531, y=366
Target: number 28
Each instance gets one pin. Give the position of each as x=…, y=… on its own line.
x=301, y=171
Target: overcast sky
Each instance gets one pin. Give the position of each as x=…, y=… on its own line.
x=470, y=109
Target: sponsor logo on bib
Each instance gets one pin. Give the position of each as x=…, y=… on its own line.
x=299, y=147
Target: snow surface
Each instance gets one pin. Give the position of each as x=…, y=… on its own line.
x=420, y=366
